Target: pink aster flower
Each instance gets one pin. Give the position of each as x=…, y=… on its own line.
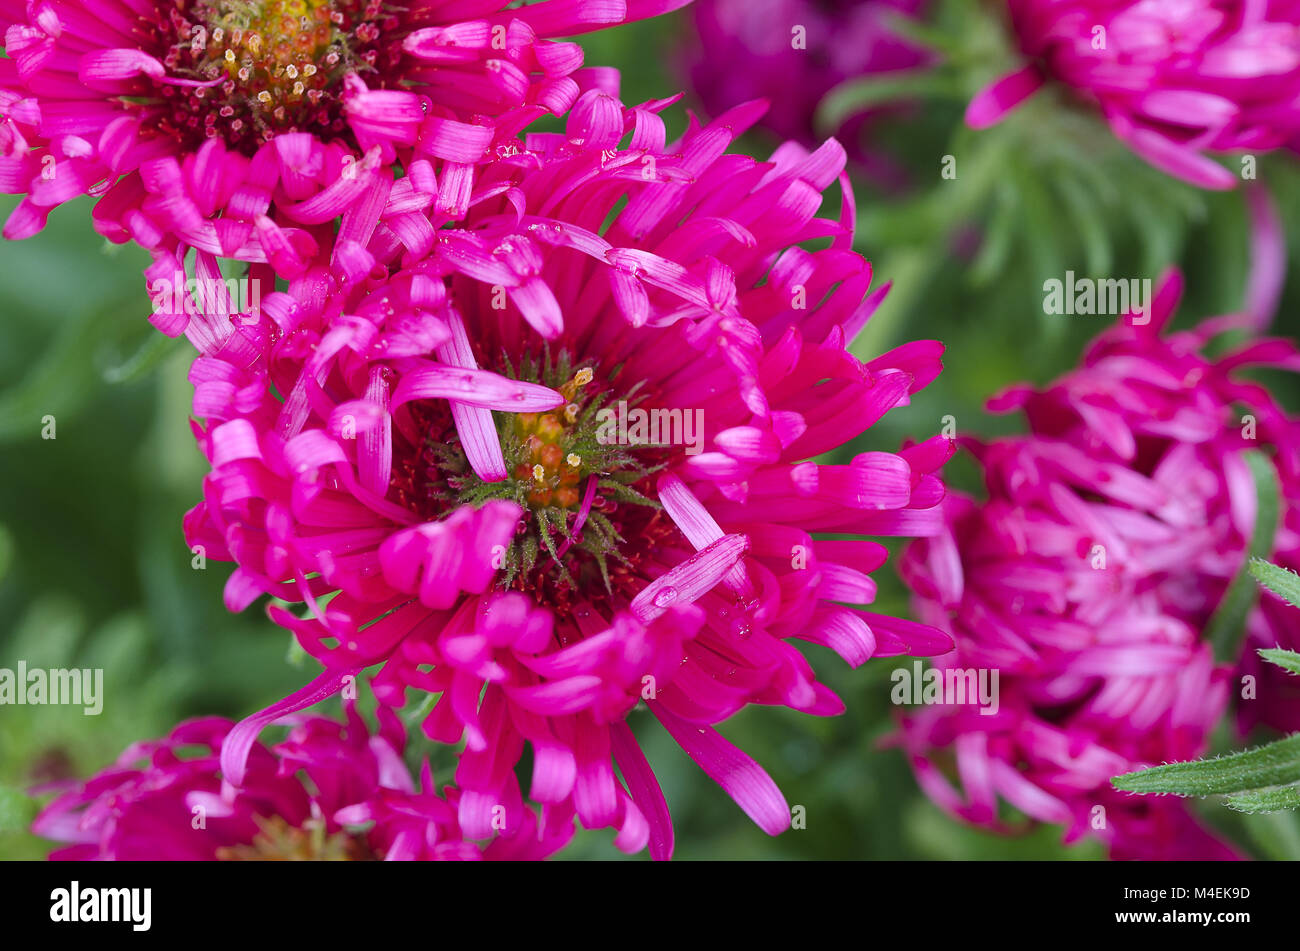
x=447, y=457
x=1174, y=78
x=1087, y=580
x=793, y=52
x=330, y=791
x=244, y=130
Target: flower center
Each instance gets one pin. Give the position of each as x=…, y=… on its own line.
x=278, y=841
x=587, y=493
x=274, y=66
x=546, y=446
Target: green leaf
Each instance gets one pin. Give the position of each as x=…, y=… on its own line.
x=1003, y=227
x=1276, y=764
x=1090, y=222
x=16, y=810
x=6, y=551
x=151, y=352
x=1276, y=834
x=1042, y=242
x=922, y=34
x=1281, y=799
x=877, y=89
x=1283, y=583
x=55, y=383
x=296, y=654
x=1228, y=624
x=1288, y=660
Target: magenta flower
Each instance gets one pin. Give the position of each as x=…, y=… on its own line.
x=245, y=130
x=793, y=52
x=1088, y=577
x=1174, y=78
x=558, y=461
x=330, y=791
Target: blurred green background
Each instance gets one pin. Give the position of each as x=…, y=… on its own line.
x=94, y=571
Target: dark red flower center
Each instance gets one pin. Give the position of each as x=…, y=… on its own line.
x=589, y=511
x=275, y=66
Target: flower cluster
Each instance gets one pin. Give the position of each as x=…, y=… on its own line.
x=246, y=130
x=424, y=442
x=559, y=436
x=1089, y=577
x=1173, y=78
x=332, y=791
x=528, y=421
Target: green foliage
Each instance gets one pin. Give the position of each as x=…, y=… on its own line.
x=16, y=810
x=1281, y=799
x=1253, y=781
x=1275, y=764
x=1281, y=581
x=1288, y=660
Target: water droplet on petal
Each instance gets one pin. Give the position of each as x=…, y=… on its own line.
x=665, y=597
